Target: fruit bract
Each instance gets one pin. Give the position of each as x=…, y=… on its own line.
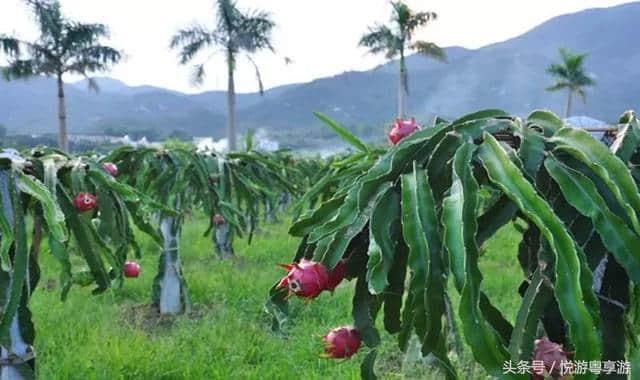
x=551, y=355
x=218, y=219
x=342, y=342
x=111, y=168
x=401, y=129
x=306, y=279
x=336, y=275
x=131, y=269
x=85, y=202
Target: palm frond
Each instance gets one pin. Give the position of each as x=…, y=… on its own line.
x=191, y=41
x=401, y=14
x=569, y=73
x=254, y=31
x=379, y=39
x=63, y=46
x=93, y=59
x=258, y=76
x=92, y=85
x=582, y=93
x=198, y=75
x=49, y=18
x=78, y=35
x=558, y=70
x=420, y=19
x=9, y=45
x=228, y=16
x=429, y=49
x=20, y=69
x=558, y=86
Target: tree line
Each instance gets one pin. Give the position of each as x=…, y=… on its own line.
x=66, y=46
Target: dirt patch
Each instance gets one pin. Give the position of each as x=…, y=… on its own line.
x=50, y=285
x=147, y=317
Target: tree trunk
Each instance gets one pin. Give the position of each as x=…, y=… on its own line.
x=63, y=138
x=170, y=291
x=223, y=241
x=283, y=202
x=20, y=354
x=231, y=102
x=568, y=108
x=269, y=211
x=402, y=89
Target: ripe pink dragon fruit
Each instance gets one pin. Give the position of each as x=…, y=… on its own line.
x=306, y=279
x=336, y=275
x=111, y=168
x=131, y=269
x=342, y=342
x=85, y=202
x=551, y=354
x=401, y=129
x=218, y=220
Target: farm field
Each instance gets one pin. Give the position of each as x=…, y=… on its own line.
x=114, y=336
x=233, y=204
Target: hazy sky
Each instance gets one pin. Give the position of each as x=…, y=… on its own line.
x=320, y=36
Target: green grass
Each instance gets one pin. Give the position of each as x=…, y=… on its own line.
x=107, y=337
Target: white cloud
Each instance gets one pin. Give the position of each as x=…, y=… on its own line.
x=320, y=36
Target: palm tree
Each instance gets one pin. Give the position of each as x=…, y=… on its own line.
x=396, y=40
x=64, y=47
x=235, y=32
x=570, y=74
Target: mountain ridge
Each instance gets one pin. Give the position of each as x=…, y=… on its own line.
x=509, y=74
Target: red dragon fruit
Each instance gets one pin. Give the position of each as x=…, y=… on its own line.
x=306, y=279
x=85, y=202
x=111, y=168
x=336, y=275
x=342, y=342
x=401, y=129
x=551, y=355
x=131, y=269
x=218, y=220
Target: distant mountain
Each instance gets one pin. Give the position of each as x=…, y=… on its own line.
x=508, y=75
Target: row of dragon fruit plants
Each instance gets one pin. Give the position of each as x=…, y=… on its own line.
x=91, y=206
x=404, y=221
x=381, y=215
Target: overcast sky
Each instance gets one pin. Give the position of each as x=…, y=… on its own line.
x=319, y=36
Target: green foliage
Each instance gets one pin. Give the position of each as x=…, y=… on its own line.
x=395, y=39
x=39, y=186
x=233, y=337
x=343, y=133
x=580, y=202
x=235, y=32
x=64, y=46
x=570, y=73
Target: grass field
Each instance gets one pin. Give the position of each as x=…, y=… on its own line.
x=113, y=335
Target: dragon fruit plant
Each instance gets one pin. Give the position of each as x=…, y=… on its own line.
x=247, y=181
x=39, y=184
x=181, y=179
x=411, y=222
